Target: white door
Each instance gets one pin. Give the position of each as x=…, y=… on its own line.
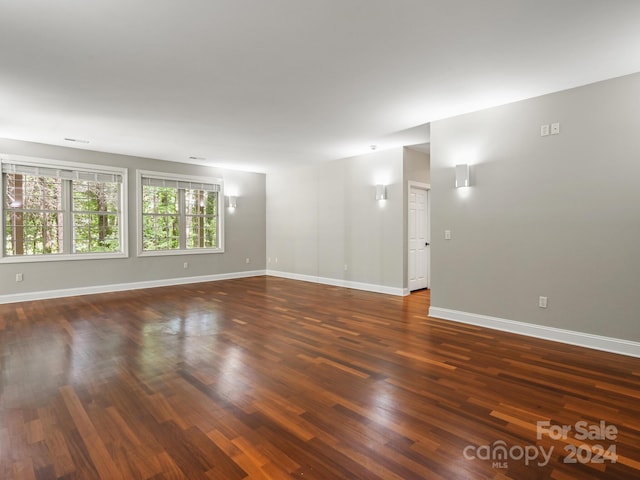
x=418, y=237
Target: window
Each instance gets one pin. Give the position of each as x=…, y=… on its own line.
x=179, y=214
x=60, y=210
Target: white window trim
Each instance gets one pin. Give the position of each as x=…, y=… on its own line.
x=187, y=178
x=87, y=167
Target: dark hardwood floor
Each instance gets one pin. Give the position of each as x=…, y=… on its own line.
x=271, y=378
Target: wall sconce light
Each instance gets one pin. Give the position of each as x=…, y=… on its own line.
x=233, y=201
x=381, y=192
x=462, y=175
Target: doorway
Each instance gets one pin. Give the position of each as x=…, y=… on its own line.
x=418, y=236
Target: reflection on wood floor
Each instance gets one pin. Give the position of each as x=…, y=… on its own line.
x=271, y=378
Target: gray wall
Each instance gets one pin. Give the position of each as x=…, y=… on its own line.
x=416, y=166
x=244, y=230
x=557, y=216
x=321, y=217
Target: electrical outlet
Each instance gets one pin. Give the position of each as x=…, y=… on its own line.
x=542, y=302
x=555, y=128
x=19, y=277
x=186, y=265
x=247, y=260
x=447, y=234
x=346, y=267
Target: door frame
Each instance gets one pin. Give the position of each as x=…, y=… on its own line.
x=427, y=187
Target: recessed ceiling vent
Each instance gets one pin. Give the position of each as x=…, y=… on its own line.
x=76, y=140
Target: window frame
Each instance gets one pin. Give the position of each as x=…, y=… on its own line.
x=67, y=205
x=174, y=177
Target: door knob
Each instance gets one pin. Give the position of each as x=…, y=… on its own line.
x=426, y=244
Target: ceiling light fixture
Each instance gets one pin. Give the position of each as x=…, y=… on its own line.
x=373, y=147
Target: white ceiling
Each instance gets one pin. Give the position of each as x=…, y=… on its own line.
x=267, y=84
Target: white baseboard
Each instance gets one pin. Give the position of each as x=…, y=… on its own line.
x=369, y=287
x=118, y=287
x=597, y=342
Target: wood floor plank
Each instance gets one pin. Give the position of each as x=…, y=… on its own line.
x=93, y=443
x=268, y=378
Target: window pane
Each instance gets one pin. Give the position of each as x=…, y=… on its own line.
x=34, y=217
x=202, y=232
x=200, y=202
x=159, y=200
x=160, y=232
x=96, y=196
x=25, y=192
x=201, y=220
x=96, y=232
x=33, y=233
